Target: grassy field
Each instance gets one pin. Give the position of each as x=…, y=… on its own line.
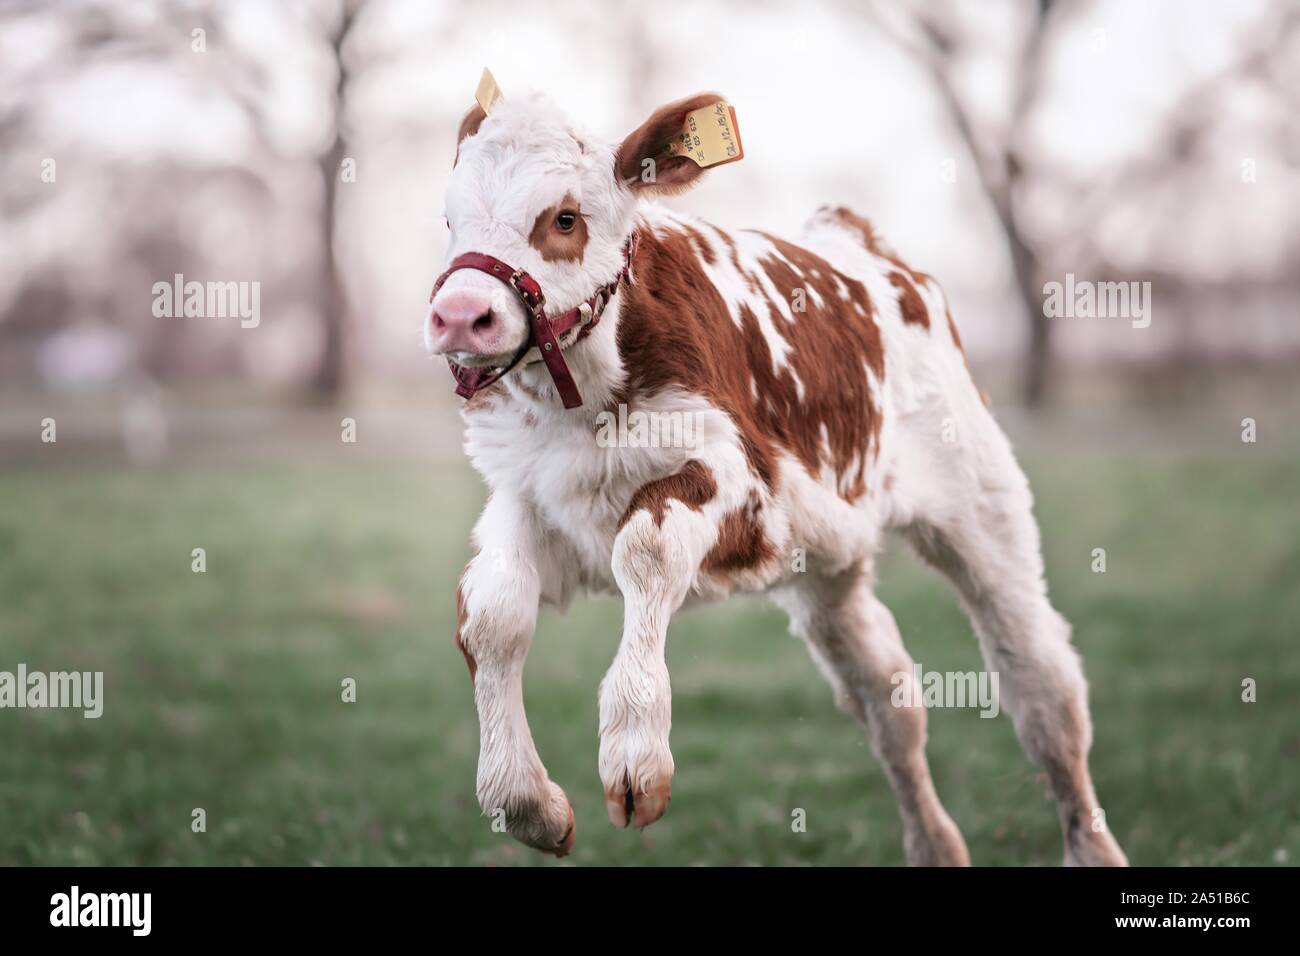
x=223, y=688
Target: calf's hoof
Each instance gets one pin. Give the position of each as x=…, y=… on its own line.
x=625, y=804
x=545, y=823
x=561, y=850
x=937, y=842
x=1087, y=847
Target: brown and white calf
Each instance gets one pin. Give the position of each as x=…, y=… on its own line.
x=832, y=403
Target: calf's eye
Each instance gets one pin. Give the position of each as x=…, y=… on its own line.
x=565, y=221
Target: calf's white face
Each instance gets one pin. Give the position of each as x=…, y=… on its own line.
x=535, y=192
x=531, y=190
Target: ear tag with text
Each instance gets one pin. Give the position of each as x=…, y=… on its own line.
x=488, y=93
x=710, y=136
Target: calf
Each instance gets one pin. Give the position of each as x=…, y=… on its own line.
x=830, y=401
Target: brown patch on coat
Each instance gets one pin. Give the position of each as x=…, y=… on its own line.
x=469, y=125
x=741, y=542
x=462, y=615
x=553, y=244
x=676, y=330
x=702, y=245
x=824, y=339
x=874, y=244
x=693, y=486
x=910, y=303
x=859, y=224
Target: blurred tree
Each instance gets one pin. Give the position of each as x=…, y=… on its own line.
x=1006, y=163
x=935, y=42
x=329, y=378
x=195, y=48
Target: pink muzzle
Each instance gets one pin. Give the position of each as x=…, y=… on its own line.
x=543, y=330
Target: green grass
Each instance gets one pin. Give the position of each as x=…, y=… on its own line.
x=223, y=688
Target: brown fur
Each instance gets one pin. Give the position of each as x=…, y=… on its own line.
x=910, y=304
x=693, y=486
x=462, y=615
x=875, y=245
x=469, y=125
x=909, y=301
x=672, y=174
x=741, y=543
x=676, y=330
x=862, y=225
x=553, y=244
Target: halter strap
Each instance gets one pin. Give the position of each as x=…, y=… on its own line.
x=543, y=330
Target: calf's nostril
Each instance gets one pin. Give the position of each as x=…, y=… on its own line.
x=483, y=322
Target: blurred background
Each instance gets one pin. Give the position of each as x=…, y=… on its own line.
x=305, y=146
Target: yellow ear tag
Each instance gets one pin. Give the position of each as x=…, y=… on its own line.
x=488, y=93
x=710, y=136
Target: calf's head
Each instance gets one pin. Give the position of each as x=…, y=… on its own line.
x=530, y=189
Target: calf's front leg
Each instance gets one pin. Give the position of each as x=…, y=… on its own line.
x=658, y=550
x=497, y=604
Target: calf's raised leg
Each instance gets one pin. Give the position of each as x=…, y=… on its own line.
x=497, y=605
x=668, y=528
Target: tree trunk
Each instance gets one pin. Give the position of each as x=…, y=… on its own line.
x=1025, y=268
x=328, y=381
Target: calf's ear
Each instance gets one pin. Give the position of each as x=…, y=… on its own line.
x=468, y=127
x=640, y=163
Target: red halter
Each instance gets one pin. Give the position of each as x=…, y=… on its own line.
x=543, y=330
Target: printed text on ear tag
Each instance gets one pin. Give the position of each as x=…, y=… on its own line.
x=710, y=136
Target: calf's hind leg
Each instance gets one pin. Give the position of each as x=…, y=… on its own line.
x=855, y=642
x=987, y=543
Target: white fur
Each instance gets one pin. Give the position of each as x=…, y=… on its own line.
x=524, y=158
